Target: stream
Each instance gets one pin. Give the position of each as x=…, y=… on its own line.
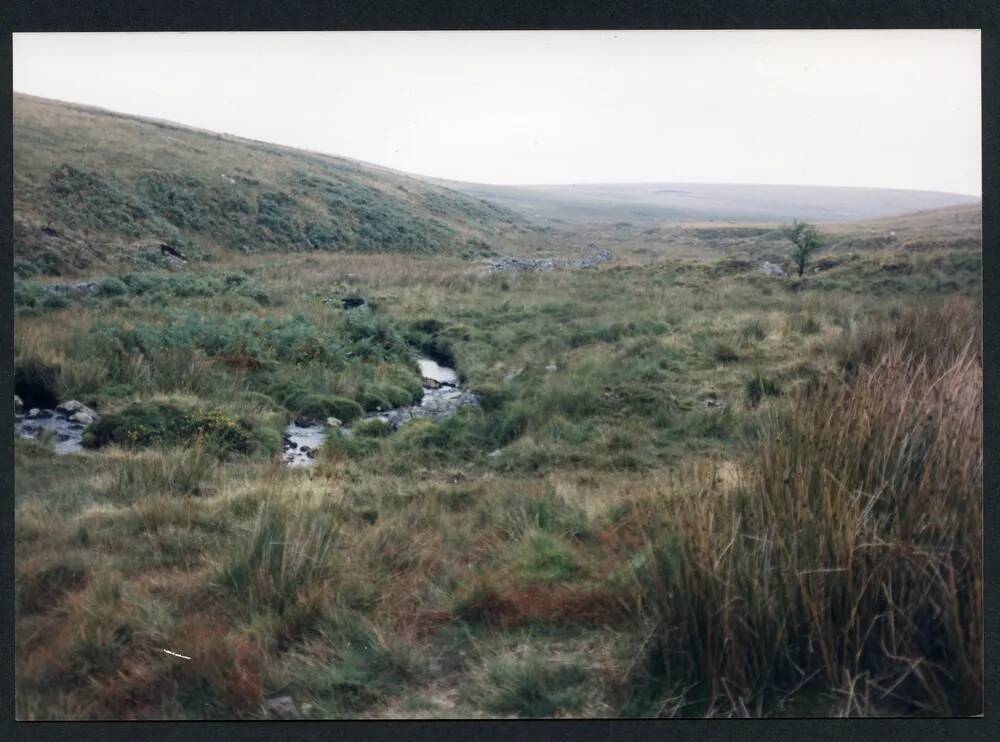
x=443, y=395
x=67, y=433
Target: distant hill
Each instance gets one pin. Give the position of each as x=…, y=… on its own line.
x=92, y=185
x=651, y=203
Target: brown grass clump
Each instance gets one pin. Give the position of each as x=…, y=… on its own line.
x=851, y=552
x=504, y=606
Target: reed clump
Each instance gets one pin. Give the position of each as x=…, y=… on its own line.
x=848, y=555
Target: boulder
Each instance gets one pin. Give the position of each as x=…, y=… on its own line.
x=333, y=422
x=77, y=412
x=34, y=413
x=84, y=417
x=18, y=405
x=770, y=269
x=511, y=375
x=281, y=707
x=84, y=287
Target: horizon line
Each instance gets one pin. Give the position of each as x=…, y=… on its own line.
x=423, y=176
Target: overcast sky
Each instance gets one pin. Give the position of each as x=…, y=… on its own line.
x=898, y=109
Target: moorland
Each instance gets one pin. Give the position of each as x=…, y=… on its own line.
x=687, y=488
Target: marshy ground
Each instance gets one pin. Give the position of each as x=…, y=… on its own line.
x=688, y=489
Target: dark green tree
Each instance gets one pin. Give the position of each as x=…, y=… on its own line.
x=806, y=239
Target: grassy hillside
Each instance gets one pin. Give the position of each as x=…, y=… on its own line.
x=650, y=203
x=93, y=186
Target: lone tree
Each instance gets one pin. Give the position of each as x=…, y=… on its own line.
x=806, y=239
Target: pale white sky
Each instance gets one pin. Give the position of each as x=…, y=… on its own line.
x=897, y=109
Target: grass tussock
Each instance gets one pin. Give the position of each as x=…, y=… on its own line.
x=848, y=554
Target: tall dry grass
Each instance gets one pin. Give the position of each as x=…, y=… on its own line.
x=849, y=557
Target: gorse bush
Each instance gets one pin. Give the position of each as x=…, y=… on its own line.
x=850, y=551
x=160, y=423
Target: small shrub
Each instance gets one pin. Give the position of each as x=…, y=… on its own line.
x=55, y=301
x=112, y=287
x=159, y=423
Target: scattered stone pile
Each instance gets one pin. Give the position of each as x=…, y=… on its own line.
x=770, y=269
x=509, y=263
x=83, y=287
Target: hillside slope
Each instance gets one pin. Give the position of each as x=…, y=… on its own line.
x=652, y=203
x=91, y=185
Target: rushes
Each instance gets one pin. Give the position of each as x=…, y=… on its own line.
x=851, y=550
x=286, y=556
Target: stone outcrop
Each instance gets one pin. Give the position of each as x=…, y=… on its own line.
x=771, y=269
x=83, y=287
x=508, y=263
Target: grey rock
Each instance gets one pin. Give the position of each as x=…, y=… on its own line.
x=508, y=263
x=77, y=412
x=18, y=404
x=281, y=707
x=770, y=269
x=83, y=287
x=511, y=375
x=83, y=417
x=34, y=413
x=333, y=422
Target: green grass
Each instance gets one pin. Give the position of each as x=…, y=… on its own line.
x=530, y=687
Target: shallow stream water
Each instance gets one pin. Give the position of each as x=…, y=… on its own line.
x=67, y=434
x=442, y=397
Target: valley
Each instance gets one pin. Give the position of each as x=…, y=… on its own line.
x=628, y=474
